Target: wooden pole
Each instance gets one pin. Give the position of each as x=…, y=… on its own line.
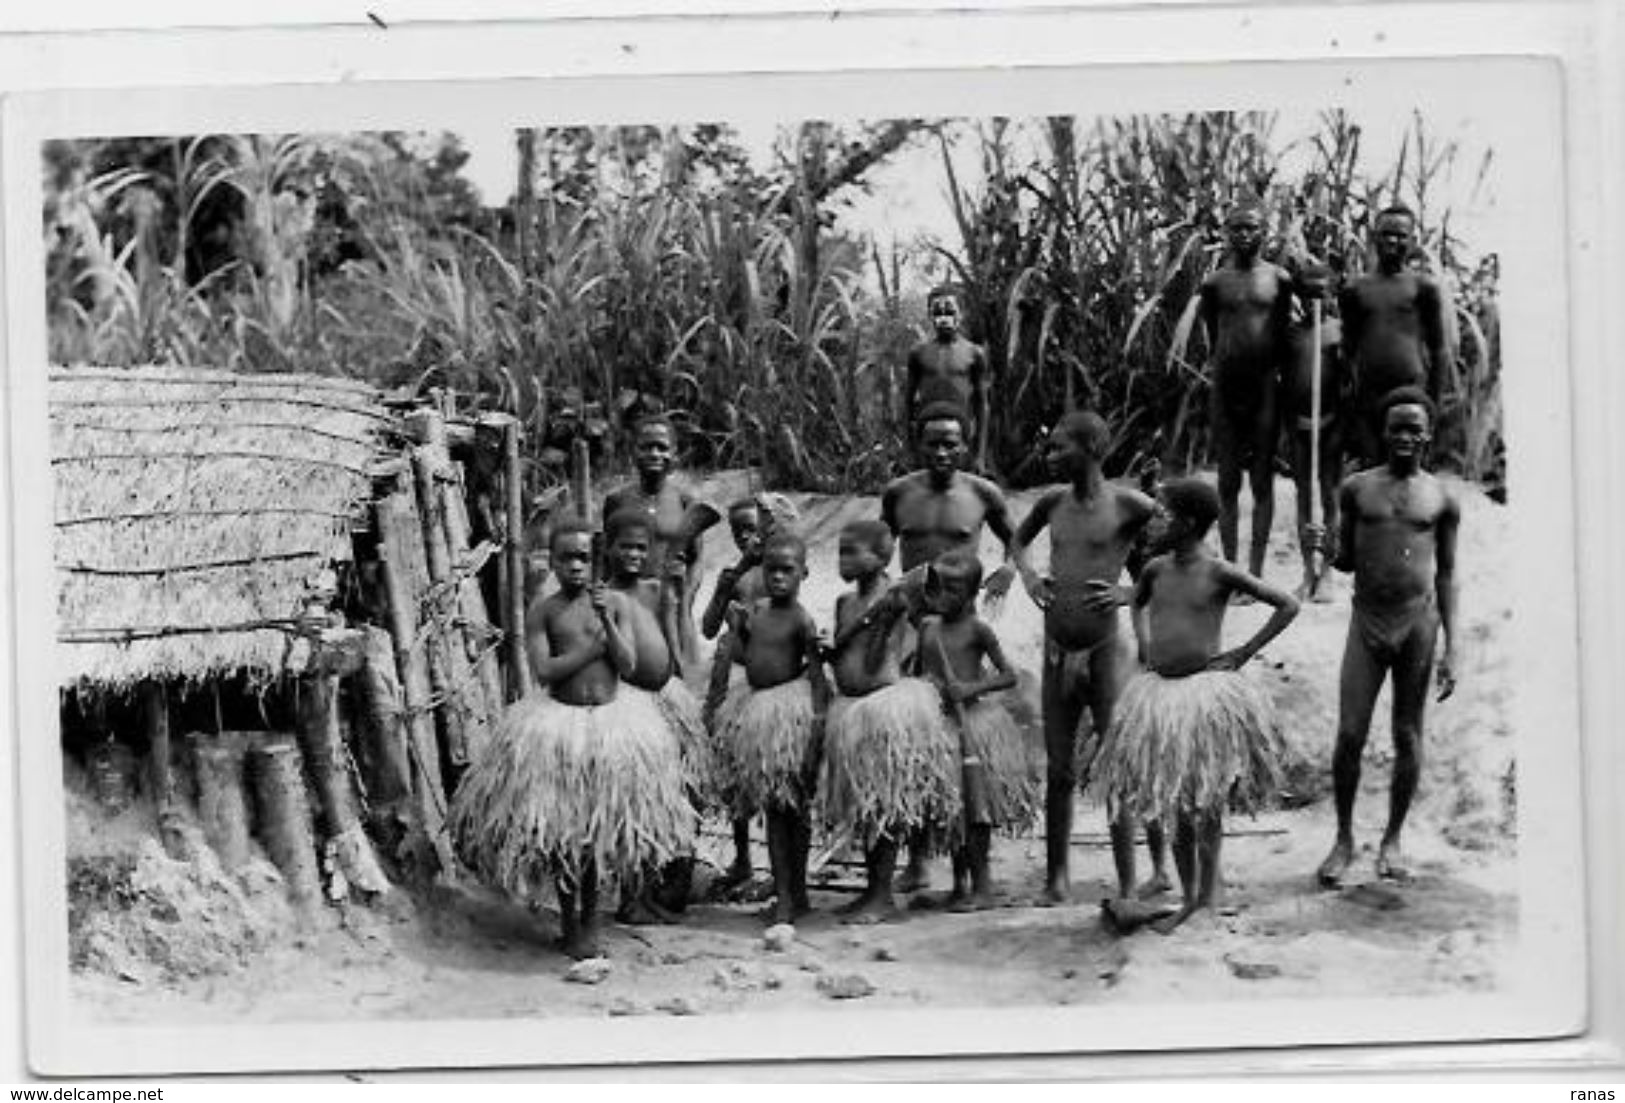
x=222, y=806
x=285, y=827
x=350, y=859
x=400, y=546
x=513, y=605
x=155, y=714
x=383, y=727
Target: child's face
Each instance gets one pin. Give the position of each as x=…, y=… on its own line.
x=655, y=450
x=942, y=445
x=782, y=572
x=944, y=311
x=746, y=526
x=858, y=558
x=948, y=594
x=629, y=551
x=572, y=559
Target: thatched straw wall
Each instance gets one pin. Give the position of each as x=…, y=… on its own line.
x=193, y=509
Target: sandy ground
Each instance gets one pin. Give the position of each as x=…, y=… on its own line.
x=461, y=951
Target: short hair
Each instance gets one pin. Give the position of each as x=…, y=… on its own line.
x=1245, y=205
x=941, y=291
x=1194, y=500
x=1087, y=430
x=961, y=564
x=786, y=540
x=874, y=535
x=627, y=519
x=740, y=505
x=571, y=524
x=1409, y=395
x=1396, y=210
x=943, y=410
x=651, y=421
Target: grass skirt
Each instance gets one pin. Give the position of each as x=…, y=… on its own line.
x=768, y=757
x=722, y=790
x=890, y=761
x=680, y=708
x=1015, y=777
x=558, y=783
x=1190, y=745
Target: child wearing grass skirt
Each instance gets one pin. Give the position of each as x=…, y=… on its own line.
x=772, y=734
x=582, y=780
x=1191, y=733
x=891, y=764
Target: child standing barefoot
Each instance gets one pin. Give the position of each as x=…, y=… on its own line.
x=580, y=781
x=650, y=622
x=1191, y=733
x=997, y=788
x=773, y=738
x=891, y=764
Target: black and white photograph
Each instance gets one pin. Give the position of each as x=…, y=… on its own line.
x=858, y=566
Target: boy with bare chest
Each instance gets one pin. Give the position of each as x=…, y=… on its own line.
x=1393, y=330
x=1399, y=539
x=1093, y=526
x=773, y=737
x=890, y=761
x=1245, y=307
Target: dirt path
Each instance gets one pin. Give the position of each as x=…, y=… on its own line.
x=468, y=953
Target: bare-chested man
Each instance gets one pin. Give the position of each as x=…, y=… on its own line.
x=935, y=510
x=949, y=368
x=1393, y=330
x=655, y=452
x=1398, y=537
x=1093, y=525
x=1301, y=417
x=1245, y=308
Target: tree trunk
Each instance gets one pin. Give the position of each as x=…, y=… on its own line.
x=513, y=595
x=285, y=827
x=348, y=855
x=221, y=804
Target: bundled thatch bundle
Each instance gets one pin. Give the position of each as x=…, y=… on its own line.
x=196, y=512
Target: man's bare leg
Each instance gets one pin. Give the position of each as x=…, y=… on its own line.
x=1358, y=684
x=1062, y=706
x=740, y=871
x=1413, y=672
x=1230, y=475
x=1261, y=478
x=916, y=873
x=1156, y=844
x=578, y=914
x=978, y=890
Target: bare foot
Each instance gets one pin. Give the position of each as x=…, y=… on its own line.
x=580, y=945
x=1158, y=885
x=1057, y=890
x=915, y=878
x=1391, y=864
x=875, y=910
x=781, y=912
x=975, y=902
x=857, y=903
x=1125, y=915
x=736, y=874
x=1330, y=874
x=1322, y=593
x=1169, y=923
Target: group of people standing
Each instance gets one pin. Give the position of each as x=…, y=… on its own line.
x=889, y=726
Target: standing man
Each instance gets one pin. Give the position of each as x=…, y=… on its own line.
x=1393, y=330
x=931, y=511
x=1093, y=526
x=1245, y=308
x=949, y=368
x=1398, y=537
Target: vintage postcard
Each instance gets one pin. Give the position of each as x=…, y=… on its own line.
x=811, y=565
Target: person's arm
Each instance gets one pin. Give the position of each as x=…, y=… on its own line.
x=1286, y=609
x=1444, y=584
x=717, y=608
x=996, y=515
x=1105, y=595
x=815, y=663
x=617, y=641
x=1031, y=525
x=1430, y=309
x=1138, y=616
x=1346, y=520
x=1003, y=676
x=550, y=668
x=716, y=687
x=979, y=394
x=1207, y=314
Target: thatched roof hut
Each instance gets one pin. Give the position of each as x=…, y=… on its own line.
x=195, y=513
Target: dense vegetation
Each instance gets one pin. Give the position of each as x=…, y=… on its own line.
x=639, y=268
